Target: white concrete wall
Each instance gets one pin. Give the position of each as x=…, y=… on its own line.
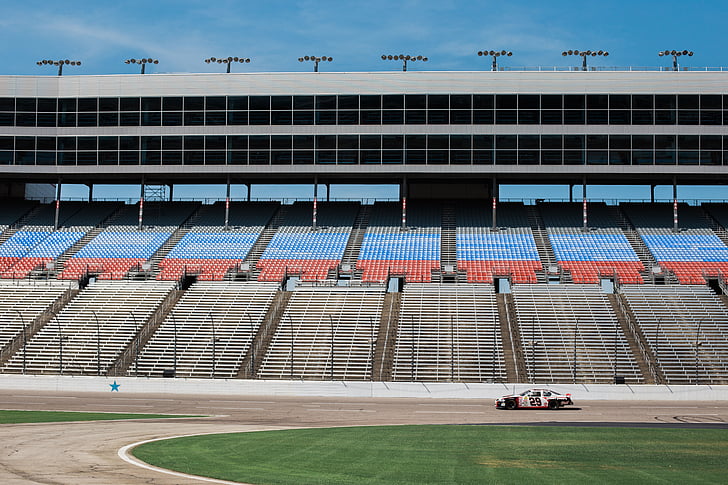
x=237, y=387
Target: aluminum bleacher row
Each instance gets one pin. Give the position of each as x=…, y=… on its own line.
x=21, y=302
x=689, y=253
x=686, y=328
x=325, y=332
x=483, y=252
x=570, y=333
x=448, y=333
x=602, y=249
x=227, y=313
x=210, y=249
x=300, y=248
x=444, y=332
x=388, y=248
x=92, y=330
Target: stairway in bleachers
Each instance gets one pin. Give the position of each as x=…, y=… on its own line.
x=265, y=236
x=448, y=246
x=545, y=252
x=387, y=338
x=513, y=361
x=353, y=246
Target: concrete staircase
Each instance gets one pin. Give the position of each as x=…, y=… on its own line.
x=262, y=242
x=641, y=350
x=448, y=249
x=126, y=360
x=543, y=246
x=353, y=245
x=262, y=339
x=514, y=361
x=638, y=246
x=383, y=360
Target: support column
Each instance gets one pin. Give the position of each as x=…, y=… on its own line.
x=585, y=214
x=227, y=204
x=674, y=205
x=141, y=206
x=315, y=201
x=249, y=188
x=571, y=192
x=171, y=192
x=90, y=192
x=328, y=192
x=404, y=203
x=495, y=203
x=652, y=193
x=58, y=204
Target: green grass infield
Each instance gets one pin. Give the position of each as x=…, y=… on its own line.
x=16, y=417
x=449, y=454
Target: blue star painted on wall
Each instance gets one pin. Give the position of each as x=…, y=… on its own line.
x=115, y=386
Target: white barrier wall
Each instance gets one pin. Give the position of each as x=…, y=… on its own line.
x=238, y=387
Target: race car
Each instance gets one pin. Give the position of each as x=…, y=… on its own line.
x=534, y=399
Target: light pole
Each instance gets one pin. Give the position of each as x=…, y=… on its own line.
x=675, y=55
x=372, y=343
x=452, y=350
x=315, y=60
x=214, y=343
x=576, y=336
x=60, y=342
x=291, y=322
x=25, y=340
x=228, y=60
x=143, y=62
x=331, y=322
x=698, y=343
x=252, y=345
x=136, y=354
x=174, y=328
x=404, y=59
x=59, y=63
x=584, y=55
x=495, y=55
x=98, y=344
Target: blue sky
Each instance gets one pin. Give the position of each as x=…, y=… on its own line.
x=274, y=33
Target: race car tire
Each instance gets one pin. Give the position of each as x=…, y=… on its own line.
x=510, y=404
x=554, y=404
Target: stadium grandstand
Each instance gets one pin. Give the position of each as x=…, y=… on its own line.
x=448, y=283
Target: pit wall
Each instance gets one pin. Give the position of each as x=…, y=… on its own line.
x=419, y=390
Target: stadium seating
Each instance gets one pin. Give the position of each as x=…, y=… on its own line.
x=21, y=302
x=448, y=333
x=602, y=250
x=38, y=243
x=235, y=309
x=298, y=248
x=689, y=253
x=387, y=249
x=122, y=308
x=210, y=249
x=675, y=318
x=508, y=251
x=121, y=246
x=304, y=346
x=570, y=333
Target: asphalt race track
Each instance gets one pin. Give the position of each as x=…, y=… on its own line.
x=86, y=452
